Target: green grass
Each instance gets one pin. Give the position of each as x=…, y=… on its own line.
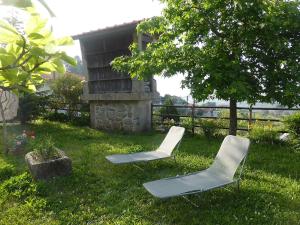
x=101, y=193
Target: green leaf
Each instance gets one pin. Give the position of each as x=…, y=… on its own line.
x=59, y=66
x=7, y=37
x=35, y=36
x=6, y=26
x=2, y=78
x=8, y=34
x=68, y=59
x=64, y=41
x=13, y=49
x=31, y=88
x=11, y=75
x=51, y=48
x=40, y=39
x=37, y=79
x=36, y=51
x=35, y=24
x=7, y=59
x=44, y=4
x=44, y=69
x=17, y=3
x=47, y=66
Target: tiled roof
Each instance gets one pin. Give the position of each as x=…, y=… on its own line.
x=106, y=29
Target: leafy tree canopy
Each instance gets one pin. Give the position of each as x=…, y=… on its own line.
x=24, y=57
x=175, y=99
x=246, y=50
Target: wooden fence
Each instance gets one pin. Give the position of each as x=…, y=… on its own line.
x=192, y=109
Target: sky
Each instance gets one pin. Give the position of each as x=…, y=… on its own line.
x=77, y=16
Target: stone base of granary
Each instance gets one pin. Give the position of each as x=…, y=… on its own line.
x=129, y=116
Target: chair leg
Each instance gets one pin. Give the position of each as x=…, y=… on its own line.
x=191, y=202
x=140, y=168
x=238, y=185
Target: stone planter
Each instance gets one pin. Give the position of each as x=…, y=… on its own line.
x=48, y=169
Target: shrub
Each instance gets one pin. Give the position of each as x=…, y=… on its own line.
x=209, y=127
x=292, y=124
x=261, y=133
x=187, y=123
x=6, y=171
x=168, y=123
x=83, y=119
x=19, y=186
x=31, y=106
x=22, y=187
x=67, y=90
x=55, y=116
x=168, y=111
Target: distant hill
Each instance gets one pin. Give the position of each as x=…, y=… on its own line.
x=179, y=100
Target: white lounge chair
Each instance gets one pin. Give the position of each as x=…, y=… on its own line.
x=165, y=150
x=232, y=152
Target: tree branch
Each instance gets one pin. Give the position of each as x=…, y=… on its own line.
x=39, y=64
x=14, y=64
x=25, y=61
x=6, y=88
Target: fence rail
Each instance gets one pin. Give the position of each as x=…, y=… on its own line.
x=250, y=111
x=224, y=107
x=80, y=107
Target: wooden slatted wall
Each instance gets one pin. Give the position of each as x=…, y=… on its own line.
x=100, y=51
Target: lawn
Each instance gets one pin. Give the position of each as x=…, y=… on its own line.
x=101, y=193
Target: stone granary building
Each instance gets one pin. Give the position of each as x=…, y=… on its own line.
x=117, y=101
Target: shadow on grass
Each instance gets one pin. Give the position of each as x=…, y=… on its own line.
x=99, y=192
x=274, y=159
x=249, y=206
x=122, y=199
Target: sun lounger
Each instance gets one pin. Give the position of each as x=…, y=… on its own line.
x=232, y=152
x=165, y=150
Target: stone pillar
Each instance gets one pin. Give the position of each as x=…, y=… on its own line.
x=11, y=104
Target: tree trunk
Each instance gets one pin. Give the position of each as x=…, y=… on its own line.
x=233, y=117
x=4, y=127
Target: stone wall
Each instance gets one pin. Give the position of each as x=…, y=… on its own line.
x=10, y=104
x=130, y=116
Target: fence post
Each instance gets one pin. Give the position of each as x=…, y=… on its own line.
x=151, y=117
x=193, y=117
x=250, y=117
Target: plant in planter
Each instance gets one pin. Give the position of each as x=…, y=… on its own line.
x=47, y=161
x=20, y=141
